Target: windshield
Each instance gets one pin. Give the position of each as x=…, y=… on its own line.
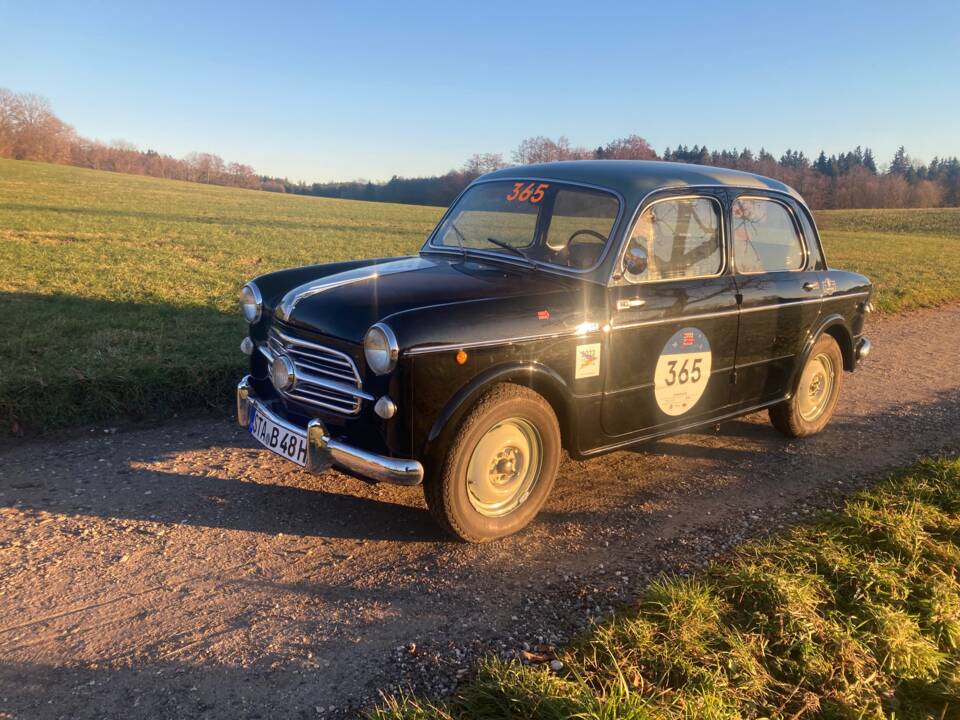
x=541, y=222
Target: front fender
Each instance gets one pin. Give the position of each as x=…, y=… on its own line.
x=538, y=377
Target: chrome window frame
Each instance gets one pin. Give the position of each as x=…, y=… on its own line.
x=643, y=207
x=797, y=228
x=429, y=245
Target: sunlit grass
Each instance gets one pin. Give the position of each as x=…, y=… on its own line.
x=856, y=616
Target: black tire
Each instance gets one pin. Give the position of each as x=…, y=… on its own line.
x=445, y=488
x=789, y=417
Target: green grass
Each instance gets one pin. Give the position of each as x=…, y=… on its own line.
x=856, y=616
x=911, y=255
x=119, y=292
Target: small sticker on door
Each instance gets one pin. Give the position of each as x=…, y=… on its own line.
x=683, y=371
x=587, y=361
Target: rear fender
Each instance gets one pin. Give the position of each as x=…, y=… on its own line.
x=835, y=326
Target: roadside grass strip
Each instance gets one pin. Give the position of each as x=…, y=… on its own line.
x=854, y=616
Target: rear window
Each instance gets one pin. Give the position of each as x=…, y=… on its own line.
x=765, y=238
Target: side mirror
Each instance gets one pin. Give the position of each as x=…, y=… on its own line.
x=635, y=261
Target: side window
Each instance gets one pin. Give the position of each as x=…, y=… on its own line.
x=679, y=238
x=765, y=238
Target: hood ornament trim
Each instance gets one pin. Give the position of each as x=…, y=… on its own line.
x=286, y=307
x=290, y=301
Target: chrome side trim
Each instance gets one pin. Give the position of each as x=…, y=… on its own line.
x=676, y=319
x=491, y=343
x=760, y=308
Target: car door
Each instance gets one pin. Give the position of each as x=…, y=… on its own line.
x=780, y=290
x=673, y=310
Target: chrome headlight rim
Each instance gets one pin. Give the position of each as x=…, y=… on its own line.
x=392, y=349
x=254, y=294
x=283, y=373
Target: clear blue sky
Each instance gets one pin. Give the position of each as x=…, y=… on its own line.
x=366, y=90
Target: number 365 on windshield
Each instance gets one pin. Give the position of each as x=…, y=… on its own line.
x=532, y=192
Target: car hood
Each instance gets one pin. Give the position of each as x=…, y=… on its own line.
x=344, y=305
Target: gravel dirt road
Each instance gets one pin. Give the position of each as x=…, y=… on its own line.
x=178, y=571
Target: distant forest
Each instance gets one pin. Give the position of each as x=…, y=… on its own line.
x=30, y=130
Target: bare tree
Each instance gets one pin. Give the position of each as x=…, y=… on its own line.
x=39, y=134
x=482, y=163
x=542, y=149
x=631, y=147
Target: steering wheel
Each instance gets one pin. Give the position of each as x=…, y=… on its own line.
x=582, y=254
x=587, y=231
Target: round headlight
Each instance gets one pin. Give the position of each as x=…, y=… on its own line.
x=251, y=303
x=283, y=374
x=380, y=349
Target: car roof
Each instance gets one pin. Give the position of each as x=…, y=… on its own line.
x=634, y=179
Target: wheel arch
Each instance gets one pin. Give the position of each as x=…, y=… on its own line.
x=541, y=379
x=836, y=327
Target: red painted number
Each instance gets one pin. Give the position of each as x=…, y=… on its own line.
x=531, y=192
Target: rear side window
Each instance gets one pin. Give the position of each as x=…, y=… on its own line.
x=765, y=238
x=680, y=238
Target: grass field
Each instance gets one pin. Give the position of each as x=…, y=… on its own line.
x=857, y=616
x=119, y=292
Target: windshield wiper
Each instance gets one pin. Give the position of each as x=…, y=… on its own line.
x=460, y=238
x=516, y=251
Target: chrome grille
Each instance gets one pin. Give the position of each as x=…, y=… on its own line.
x=326, y=378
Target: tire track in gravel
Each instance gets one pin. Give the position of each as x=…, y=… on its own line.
x=177, y=571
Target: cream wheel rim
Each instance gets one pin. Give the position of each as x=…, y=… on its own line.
x=816, y=386
x=504, y=467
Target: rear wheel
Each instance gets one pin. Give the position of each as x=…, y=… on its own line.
x=498, y=468
x=812, y=405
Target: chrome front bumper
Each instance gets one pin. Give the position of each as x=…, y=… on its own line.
x=324, y=451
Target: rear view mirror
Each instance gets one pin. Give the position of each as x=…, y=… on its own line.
x=635, y=261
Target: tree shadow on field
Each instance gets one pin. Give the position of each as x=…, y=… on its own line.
x=71, y=361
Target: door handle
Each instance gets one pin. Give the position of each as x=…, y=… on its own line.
x=627, y=304
x=808, y=286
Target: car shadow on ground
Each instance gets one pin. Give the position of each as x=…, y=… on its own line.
x=213, y=494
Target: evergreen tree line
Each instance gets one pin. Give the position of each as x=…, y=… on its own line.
x=30, y=130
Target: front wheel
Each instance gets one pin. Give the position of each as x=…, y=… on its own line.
x=811, y=406
x=498, y=468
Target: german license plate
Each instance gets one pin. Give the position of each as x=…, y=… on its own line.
x=277, y=439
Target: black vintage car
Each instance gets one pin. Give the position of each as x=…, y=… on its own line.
x=586, y=305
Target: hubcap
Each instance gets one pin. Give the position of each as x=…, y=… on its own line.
x=504, y=467
x=816, y=387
